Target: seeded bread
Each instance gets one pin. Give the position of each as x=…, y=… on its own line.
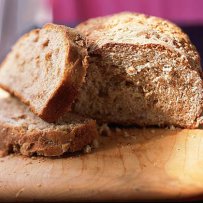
x=143, y=70
x=45, y=69
x=24, y=132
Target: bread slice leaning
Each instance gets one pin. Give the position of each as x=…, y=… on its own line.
x=143, y=70
x=45, y=69
x=24, y=132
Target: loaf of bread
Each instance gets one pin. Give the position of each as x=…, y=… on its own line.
x=24, y=132
x=45, y=69
x=143, y=70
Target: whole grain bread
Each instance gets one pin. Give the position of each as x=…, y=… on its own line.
x=24, y=132
x=45, y=69
x=143, y=70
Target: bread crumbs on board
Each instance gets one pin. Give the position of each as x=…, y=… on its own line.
x=19, y=192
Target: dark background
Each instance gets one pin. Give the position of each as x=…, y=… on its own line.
x=196, y=35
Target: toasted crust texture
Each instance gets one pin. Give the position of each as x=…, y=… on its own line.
x=45, y=69
x=22, y=131
x=136, y=29
x=148, y=72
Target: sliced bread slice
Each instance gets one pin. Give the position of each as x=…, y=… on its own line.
x=143, y=70
x=45, y=69
x=24, y=132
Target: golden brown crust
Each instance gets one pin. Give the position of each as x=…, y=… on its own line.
x=64, y=92
x=15, y=140
x=137, y=29
x=22, y=131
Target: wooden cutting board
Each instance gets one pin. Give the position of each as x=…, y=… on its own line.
x=134, y=164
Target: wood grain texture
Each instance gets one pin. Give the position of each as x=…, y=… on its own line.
x=132, y=164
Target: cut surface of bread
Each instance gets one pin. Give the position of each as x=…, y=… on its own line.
x=142, y=70
x=45, y=69
x=24, y=132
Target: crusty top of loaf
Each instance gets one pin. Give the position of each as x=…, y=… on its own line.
x=138, y=29
x=45, y=69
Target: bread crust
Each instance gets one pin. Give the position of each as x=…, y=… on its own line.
x=74, y=72
x=16, y=134
x=175, y=39
x=15, y=140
